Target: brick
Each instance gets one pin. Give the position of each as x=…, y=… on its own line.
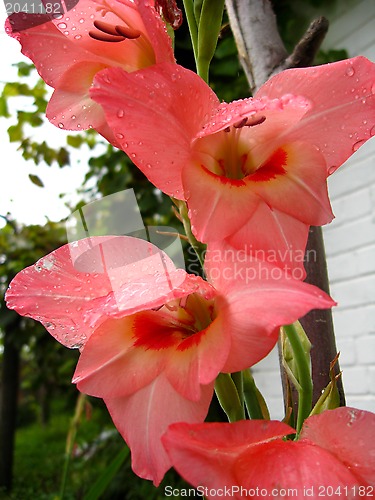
x=351, y=206
x=365, y=348
x=354, y=322
x=350, y=236
x=351, y=264
x=355, y=292
x=371, y=372
x=348, y=353
x=361, y=402
x=356, y=380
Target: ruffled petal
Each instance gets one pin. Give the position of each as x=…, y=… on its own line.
x=146, y=109
x=342, y=114
x=144, y=417
x=74, y=289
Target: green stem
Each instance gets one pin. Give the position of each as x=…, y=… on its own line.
x=305, y=389
x=198, y=247
x=251, y=396
x=193, y=28
x=70, y=441
x=228, y=397
x=237, y=378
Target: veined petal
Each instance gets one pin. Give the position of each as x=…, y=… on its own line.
x=74, y=289
x=158, y=98
x=144, y=417
x=342, y=114
x=348, y=434
x=204, y=454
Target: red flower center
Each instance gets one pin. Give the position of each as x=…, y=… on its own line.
x=173, y=323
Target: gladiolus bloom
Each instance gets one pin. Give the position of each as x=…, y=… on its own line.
x=252, y=171
x=96, y=34
x=152, y=337
x=334, y=456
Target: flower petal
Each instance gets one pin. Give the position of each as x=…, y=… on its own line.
x=342, y=115
x=143, y=418
x=348, y=434
x=272, y=236
x=294, y=467
x=155, y=99
x=204, y=454
x=74, y=289
x=217, y=206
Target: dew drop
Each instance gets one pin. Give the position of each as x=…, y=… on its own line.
x=358, y=144
x=61, y=125
x=332, y=169
x=148, y=165
x=120, y=113
x=373, y=89
x=77, y=37
x=81, y=20
x=74, y=117
x=120, y=136
x=350, y=71
x=62, y=26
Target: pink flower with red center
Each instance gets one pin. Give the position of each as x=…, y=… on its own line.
x=152, y=337
x=334, y=456
x=252, y=171
x=69, y=50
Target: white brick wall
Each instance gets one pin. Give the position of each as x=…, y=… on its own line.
x=349, y=240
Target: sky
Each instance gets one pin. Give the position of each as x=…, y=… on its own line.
x=27, y=202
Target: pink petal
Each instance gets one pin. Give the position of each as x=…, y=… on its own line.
x=217, y=206
x=342, y=115
x=75, y=288
x=156, y=99
x=143, y=418
x=204, y=454
x=259, y=298
x=272, y=236
x=348, y=434
x=300, y=189
x=279, y=466
x=276, y=113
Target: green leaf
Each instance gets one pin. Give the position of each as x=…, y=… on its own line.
x=105, y=478
x=36, y=180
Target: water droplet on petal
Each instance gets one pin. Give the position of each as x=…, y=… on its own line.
x=120, y=136
x=120, y=113
x=350, y=71
x=358, y=144
x=332, y=169
x=62, y=26
x=61, y=125
x=77, y=37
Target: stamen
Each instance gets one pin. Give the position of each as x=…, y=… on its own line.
x=256, y=121
x=102, y=37
x=106, y=28
x=241, y=123
x=127, y=32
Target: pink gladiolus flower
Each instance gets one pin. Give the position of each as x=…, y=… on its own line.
x=69, y=50
x=334, y=456
x=152, y=337
x=252, y=171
